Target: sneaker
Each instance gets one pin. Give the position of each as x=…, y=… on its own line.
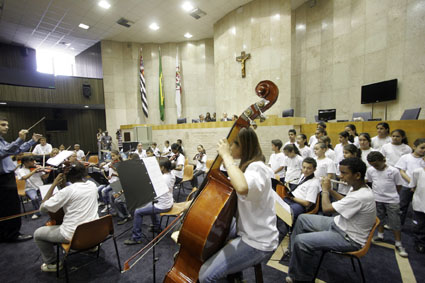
x=35, y=216
x=387, y=227
x=105, y=210
x=378, y=239
x=131, y=242
x=122, y=221
x=51, y=267
x=101, y=203
x=289, y=279
x=401, y=251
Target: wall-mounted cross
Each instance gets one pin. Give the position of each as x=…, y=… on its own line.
x=242, y=60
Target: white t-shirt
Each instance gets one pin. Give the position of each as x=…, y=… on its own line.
x=166, y=200
x=141, y=154
x=277, y=160
x=384, y=183
x=356, y=141
x=156, y=151
x=167, y=151
x=289, y=142
x=312, y=141
x=306, y=152
x=357, y=214
x=393, y=152
x=308, y=190
x=111, y=172
x=377, y=143
x=42, y=150
x=79, y=202
x=294, y=167
x=324, y=167
x=256, y=221
x=202, y=166
x=339, y=153
x=80, y=154
x=364, y=155
x=33, y=182
x=180, y=161
x=418, y=181
x=330, y=154
x=409, y=163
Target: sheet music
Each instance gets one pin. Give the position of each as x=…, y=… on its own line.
x=45, y=188
x=155, y=175
x=58, y=159
x=283, y=210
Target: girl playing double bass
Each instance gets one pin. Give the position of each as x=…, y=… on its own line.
x=256, y=233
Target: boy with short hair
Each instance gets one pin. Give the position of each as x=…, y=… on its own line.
x=292, y=134
x=386, y=183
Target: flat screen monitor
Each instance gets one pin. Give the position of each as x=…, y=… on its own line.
x=378, y=92
x=327, y=114
x=56, y=125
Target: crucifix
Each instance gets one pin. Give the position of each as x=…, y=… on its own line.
x=242, y=60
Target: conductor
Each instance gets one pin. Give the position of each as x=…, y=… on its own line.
x=9, y=202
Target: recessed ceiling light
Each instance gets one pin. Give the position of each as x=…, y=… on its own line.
x=187, y=6
x=86, y=106
x=187, y=35
x=154, y=26
x=3, y=103
x=83, y=26
x=104, y=4
x=72, y=48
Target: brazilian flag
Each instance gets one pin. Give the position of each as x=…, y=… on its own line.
x=161, y=89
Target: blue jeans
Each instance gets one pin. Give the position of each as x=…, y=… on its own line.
x=32, y=194
x=105, y=193
x=138, y=219
x=234, y=257
x=120, y=207
x=314, y=234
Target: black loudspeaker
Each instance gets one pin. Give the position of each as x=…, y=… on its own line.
x=86, y=90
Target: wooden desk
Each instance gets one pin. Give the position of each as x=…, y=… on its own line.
x=414, y=129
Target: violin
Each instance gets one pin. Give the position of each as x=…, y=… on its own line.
x=207, y=222
x=47, y=169
x=174, y=157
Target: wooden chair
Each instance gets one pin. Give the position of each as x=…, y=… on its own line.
x=187, y=177
x=93, y=159
x=87, y=236
x=178, y=208
x=315, y=208
x=355, y=254
x=20, y=184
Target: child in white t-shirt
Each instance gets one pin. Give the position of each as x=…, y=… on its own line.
x=365, y=144
x=330, y=153
x=33, y=180
x=339, y=148
x=292, y=134
x=293, y=165
x=397, y=148
x=386, y=183
x=383, y=137
x=407, y=164
x=303, y=147
x=325, y=166
x=418, y=185
x=350, y=150
x=352, y=131
x=277, y=160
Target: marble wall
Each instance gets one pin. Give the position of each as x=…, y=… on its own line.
x=340, y=45
x=263, y=29
x=120, y=62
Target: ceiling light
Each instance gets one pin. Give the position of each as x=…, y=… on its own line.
x=83, y=26
x=72, y=48
x=104, y=4
x=187, y=35
x=187, y=6
x=86, y=106
x=3, y=103
x=154, y=26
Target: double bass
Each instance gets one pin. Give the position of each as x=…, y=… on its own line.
x=207, y=222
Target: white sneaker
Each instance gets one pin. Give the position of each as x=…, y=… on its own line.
x=105, y=209
x=401, y=251
x=35, y=216
x=51, y=267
